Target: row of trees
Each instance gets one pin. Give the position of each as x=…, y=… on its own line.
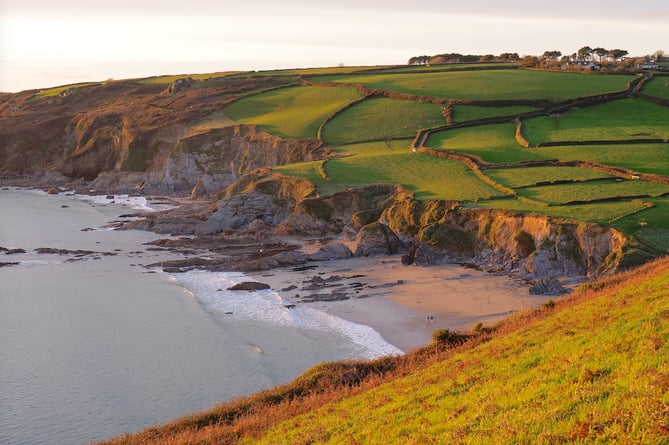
x=587, y=54
x=551, y=59
x=463, y=58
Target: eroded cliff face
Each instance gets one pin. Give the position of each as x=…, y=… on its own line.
x=385, y=219
x=218, y=157
x=530, y=245
x=126, y=135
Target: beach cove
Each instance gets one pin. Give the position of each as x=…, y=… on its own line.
x=125, y=347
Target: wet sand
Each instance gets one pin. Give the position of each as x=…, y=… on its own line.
x=396, y=300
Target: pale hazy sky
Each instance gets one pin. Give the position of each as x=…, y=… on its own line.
x=49, y=42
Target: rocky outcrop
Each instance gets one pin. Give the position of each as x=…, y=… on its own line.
x=530, y=245
x=331, y=251
x=384, y=219
x=218, y=157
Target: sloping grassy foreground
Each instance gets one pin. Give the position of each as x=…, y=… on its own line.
x=593, y=368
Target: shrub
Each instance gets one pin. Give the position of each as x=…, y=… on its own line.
x=448, y=337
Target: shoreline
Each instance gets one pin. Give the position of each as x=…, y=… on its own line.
x=395, y=300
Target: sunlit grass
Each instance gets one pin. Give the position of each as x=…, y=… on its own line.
x=295, y=112
x=593, y=372
x=521, y=177
x=588, y=191
x=493, y=143
x=463, y=113
x=426, y=176
x=381, y=118
x=623, y=119
x=645, y=158
x=49, y=92
x=659, y=87
x=489, y=84
x=599, y=212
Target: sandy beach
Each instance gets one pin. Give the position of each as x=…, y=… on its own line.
x=396, y=300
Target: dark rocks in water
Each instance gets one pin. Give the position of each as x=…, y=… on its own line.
x=548, y=286
x=109, y=197
x=8, y=264
x=333, y=296
x=289, y=288
x=250, y=286
x=13, y=251
x=173, y=270
x=51, y=250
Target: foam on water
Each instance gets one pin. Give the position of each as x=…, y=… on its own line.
x=134, y=202
x=210, y=289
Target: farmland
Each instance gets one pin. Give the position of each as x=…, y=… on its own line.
x=585, y=172
x=488, y=85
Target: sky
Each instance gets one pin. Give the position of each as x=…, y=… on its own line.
x=46, y=43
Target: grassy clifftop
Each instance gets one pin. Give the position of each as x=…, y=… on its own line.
x=591, y=368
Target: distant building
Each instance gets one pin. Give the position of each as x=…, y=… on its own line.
x=580, y=64
x=647, y=66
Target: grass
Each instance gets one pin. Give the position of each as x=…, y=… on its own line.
x=381, y=118
x=311, y=171
x=168, y=79
x=649, y=226
x=447, y=67
x=601, y=212
x=645, y=158
x=594, y=370
x=490, y=84
x=588, y=191
x=623, y=119
x=50, y=92
x=426, y=176
x=462, y=113
x=659, y=87
x=493, y=143
x=282, y=112
x=523, y=177
x=496, y=143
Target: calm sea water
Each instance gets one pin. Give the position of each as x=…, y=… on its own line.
x=98, y=347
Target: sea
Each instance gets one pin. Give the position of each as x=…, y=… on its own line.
x=94, y=344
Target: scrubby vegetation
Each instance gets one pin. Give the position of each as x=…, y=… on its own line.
x=588, y=368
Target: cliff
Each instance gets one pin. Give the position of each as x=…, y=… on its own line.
x=123, y=136
x=385, y=219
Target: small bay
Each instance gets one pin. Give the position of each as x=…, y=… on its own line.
x=95, y=345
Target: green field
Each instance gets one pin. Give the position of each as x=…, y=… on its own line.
x=493, y=143
x=486, y=85
x=645, y=158
x=659, y=87
x=426, y=176
x=623, y=119
x=588, y=191
x=527, y=176
x=381, y=118
x=600, y=212
x=462, y=113
x=295, y=112
x=299, y=112
x=447, y=67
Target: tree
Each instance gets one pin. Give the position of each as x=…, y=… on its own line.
x=601, y=52
x=554, y=54
x=584, y=53
x=530, y=62
x=618, y=54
